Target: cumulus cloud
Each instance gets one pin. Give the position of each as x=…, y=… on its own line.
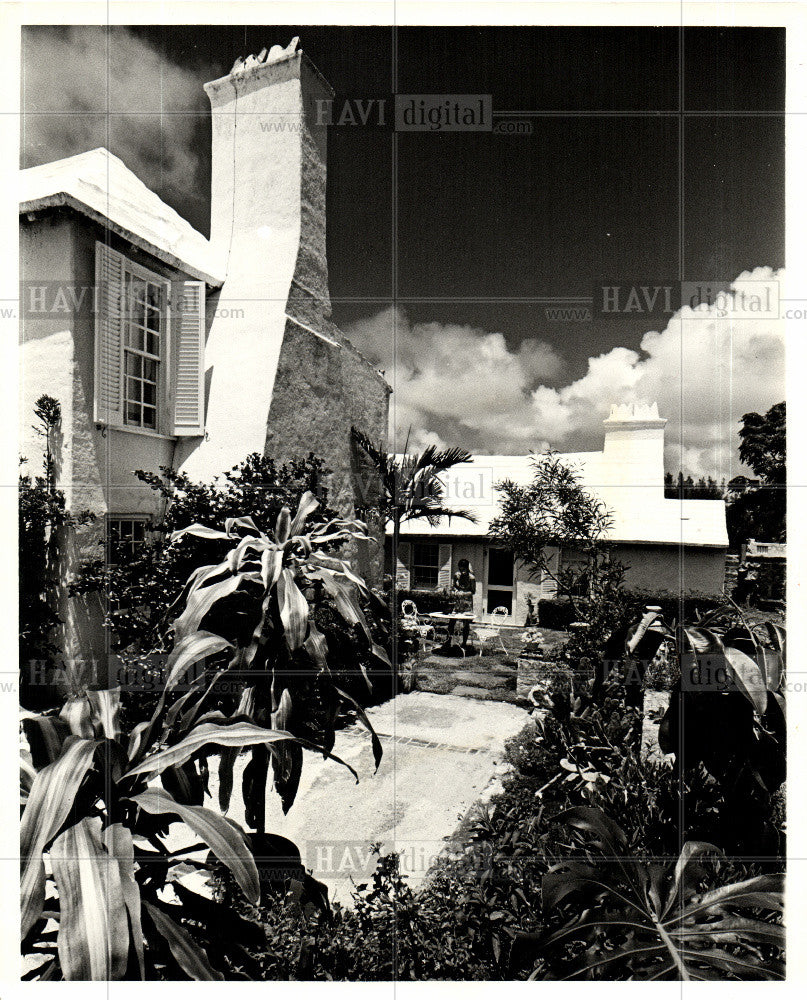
x=466, y=386
x=84, y=87
x=454, y=382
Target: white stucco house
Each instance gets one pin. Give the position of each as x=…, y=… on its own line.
x=165, y=348
x=677, y=546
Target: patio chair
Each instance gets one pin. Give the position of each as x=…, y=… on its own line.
x=484, y=633
x=410, y=621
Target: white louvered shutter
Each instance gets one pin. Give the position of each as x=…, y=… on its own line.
x=189, y=330
x=444, y=570
x=403, y=558
x=108, y=388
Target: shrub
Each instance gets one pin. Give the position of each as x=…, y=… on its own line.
x=142, y=591
x=429, y=601
x=556, y=613
x=676, y=607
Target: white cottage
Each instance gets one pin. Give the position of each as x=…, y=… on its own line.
x=677, y=546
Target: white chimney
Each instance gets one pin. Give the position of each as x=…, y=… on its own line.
x=268, y=228
x=634, y=444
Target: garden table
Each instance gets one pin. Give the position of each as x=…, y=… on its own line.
x=466, y=617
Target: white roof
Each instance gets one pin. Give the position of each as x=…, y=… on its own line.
x=102, y=187
x=640, y=513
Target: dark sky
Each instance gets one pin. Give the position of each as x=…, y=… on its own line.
x=614, y=184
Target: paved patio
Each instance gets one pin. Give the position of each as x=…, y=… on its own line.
x=441, y=753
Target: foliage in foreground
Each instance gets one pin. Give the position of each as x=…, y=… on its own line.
x=497, y=908
x=89, y=788
x=627, y=917
x=726, y=717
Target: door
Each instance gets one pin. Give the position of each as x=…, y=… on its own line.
x=500, y=580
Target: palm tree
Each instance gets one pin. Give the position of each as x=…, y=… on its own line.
x=410, y=489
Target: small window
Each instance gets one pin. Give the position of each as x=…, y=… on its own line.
x=425, y=564
x=127, y=537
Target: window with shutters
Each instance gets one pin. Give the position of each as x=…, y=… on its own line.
x=149, y=348
x=425, y=564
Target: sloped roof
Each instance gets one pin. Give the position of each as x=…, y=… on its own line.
x=640, y=513
x=102, y=187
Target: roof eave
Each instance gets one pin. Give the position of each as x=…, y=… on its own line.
x=65, y=200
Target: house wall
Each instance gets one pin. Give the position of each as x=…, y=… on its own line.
x=672, y=568
x=95, y=466
x=652, y=568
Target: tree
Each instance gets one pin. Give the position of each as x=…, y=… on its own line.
x=554, y=511
x=410, y=485
x=409, y=489
x=688, y=489
x=760, y=511
x=763, y=444
x=42, y=515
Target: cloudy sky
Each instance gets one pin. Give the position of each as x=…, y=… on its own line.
x=444, y=248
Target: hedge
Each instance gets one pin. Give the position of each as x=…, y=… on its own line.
x=428, y=601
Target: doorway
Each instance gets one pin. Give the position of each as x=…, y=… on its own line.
x=500, y=585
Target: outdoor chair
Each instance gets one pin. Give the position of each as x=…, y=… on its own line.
x=484, y=633
x=410, y=621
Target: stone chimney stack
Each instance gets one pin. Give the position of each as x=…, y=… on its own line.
x=268, y=229
x=634, y=444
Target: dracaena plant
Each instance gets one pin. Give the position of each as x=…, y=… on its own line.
x=626, y=917
x=98, y=803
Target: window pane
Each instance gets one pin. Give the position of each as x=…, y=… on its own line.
x=500, y=599
x=153, y=344
x=150, y=393
x=149, y=370
x=133, y=414
x=153, y=319
x=500, y=567
x=154, y=297
x=149, y=417
x=134, y=392
x=133, y=366
x=137, y=313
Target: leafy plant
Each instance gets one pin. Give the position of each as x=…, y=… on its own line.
x=554, y=514
x=625, y=917
x=89, y=788
x=143, y=588
x=410, y=484
x=727, y=714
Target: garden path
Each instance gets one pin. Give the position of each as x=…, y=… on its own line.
x=441, y=752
